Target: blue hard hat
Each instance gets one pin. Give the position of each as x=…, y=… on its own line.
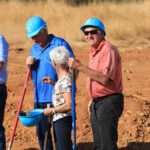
x=30, y=118
x=34, y=25
x=93, y=22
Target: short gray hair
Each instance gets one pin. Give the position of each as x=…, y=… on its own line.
x=59, y=55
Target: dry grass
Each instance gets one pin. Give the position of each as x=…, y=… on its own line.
x=126, y=24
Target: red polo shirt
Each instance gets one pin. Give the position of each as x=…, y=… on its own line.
x=105, y=59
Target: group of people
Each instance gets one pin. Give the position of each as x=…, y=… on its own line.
x=51, y=61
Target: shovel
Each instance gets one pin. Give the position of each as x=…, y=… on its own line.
x=73, y=112
x=47, y=132
x=19, y=108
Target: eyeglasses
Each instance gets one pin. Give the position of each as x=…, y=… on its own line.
x=92, y=32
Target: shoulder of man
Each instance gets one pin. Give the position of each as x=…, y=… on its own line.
x=110, y=47
x=3, y=46
x=1, y=36
x=57, y=40
x=2, y=39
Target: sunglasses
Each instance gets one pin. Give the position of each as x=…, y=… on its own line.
x=92, y=32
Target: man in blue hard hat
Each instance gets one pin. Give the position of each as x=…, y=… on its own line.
x=3, y=89
x=41, y=66
x=104, y=85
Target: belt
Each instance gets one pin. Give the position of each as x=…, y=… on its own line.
x=103, y=97
x=43, y=104
x=2, y=84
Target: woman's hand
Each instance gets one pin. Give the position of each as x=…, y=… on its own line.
x=48, y=80
x=48, y=112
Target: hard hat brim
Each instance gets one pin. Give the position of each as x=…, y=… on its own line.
x=31, y=118
x=82, y=28
x=35, y=32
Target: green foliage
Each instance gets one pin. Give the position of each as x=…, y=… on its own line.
x=81, y=2
x=117, y=1
x=78, y=2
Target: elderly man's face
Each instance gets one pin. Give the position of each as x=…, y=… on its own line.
x=93, y=36
x=40, y=38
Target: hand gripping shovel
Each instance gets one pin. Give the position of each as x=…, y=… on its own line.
x=19, y=108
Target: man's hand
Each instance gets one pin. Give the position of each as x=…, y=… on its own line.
x=1, y=64
x=74, y=63
x=89, y=106
x=30, y=60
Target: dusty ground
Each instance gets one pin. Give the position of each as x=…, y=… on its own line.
x=134, y=125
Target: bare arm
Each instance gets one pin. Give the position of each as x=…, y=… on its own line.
x=95, y=75
x=67, y=105
x=64, y=108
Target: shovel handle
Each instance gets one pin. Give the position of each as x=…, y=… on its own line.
x=73, y=111
x=19, y=108
x=47, y=129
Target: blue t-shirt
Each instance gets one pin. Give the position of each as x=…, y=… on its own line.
x=43, y=67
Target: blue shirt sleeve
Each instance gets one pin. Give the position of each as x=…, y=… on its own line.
x=3, y=49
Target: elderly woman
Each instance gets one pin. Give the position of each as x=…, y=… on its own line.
x=61, y=99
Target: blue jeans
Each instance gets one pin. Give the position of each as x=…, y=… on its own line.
x=62, y=133
x=105, y=113
x=3, y=97
x=42, y=127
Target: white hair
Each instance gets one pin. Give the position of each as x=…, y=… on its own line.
x=59, y=55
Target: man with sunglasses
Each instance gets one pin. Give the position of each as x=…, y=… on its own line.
x=104, y=84
x=41, y=66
